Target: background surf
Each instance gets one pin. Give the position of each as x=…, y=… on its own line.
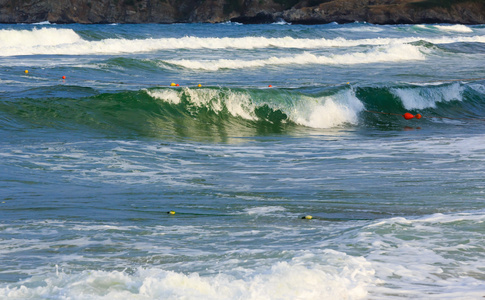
x=90, y=164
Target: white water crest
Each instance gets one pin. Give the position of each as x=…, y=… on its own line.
x=25, y=42
x=454, y=28
x=322, y=112
x=337, y=276
x=237, y=103
x=327, y=112
x=424, y=97
x=392, y=53
x=49, y=41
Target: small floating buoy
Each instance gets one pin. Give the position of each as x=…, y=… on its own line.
x=408, y=116
x=177, y=84
x=171, y=212
x=26, y=71
x=270, y=85
x=418, y=116
x=307, y=217
x=172, y=84
x=200, y=85
x=63, y=77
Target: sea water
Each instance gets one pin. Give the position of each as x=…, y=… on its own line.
x=288, y=121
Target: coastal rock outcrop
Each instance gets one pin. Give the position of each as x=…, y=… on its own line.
x=244, y=11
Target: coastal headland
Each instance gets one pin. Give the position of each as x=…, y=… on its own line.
x=243, y=11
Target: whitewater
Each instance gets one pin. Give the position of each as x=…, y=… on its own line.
x=280, y=149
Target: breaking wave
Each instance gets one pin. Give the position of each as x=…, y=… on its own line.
x=245, y=111
x=49, y=41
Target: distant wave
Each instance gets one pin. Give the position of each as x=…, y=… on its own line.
x=66, y=41
x=27, y=41
x=394, y=53
x=43, y=23
x=448, y=28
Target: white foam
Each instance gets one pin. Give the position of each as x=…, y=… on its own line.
x=43, y=23
x=327, y=112
x=360, y=29
x=281, y=22
x=67, y=41
x=337, y=276
x=427, y=256
x=454, y=28
x=12, y=42
x=167, y=95
x=393, y=53
x=420, y=98
x=264, y=210
x=324, y=112
x=237, y=103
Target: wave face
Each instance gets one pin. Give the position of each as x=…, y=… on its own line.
x=206, y=110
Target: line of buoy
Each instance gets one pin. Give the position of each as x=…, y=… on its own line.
x=176, y=84
x=306, y=217
x=27, y=72
x=409, y=116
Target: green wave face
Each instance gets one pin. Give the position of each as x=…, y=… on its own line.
x=225, y=112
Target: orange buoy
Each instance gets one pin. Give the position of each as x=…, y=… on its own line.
x=270, y=85
x=418, y=116
x=63, y=77
x=408, y=116
x=177, y=84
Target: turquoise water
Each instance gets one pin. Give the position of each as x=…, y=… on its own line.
x=288, y=121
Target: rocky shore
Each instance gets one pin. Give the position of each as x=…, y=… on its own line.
x=243, y=11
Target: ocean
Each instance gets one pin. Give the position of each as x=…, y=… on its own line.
x=230, y=161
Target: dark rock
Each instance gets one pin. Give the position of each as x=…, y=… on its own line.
x=244, y=11
x=260, y=18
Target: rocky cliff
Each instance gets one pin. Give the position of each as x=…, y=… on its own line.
x=244, y=11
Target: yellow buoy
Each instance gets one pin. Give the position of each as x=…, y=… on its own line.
x=26, y=71
x=200, y=85
x=171, y=212
x=172, y=84
x=307, y=217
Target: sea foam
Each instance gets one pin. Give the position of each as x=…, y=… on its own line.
x=28, y=40
x=454, y=28
x=321, y=112
x=339, y=276
x=425, y=97
x=329, y=111
x=392, y=53
x=50, y=41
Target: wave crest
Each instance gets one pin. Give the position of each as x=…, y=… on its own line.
x=392, y=53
